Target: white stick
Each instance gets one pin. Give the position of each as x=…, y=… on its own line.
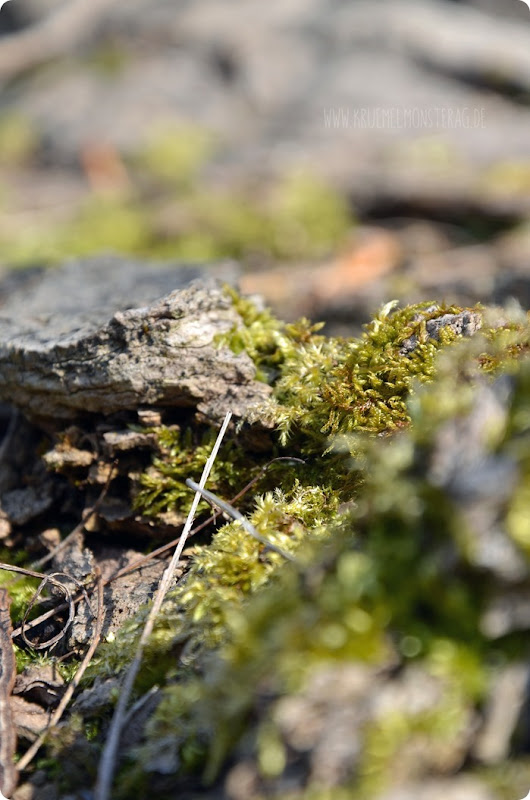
x=108, y=757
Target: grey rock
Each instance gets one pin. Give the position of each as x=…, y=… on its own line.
x=466, y=323
x=75, y=343
x=22, y=505
x=480, y=481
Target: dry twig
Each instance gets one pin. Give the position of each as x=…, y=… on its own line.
x=237, y=515
x=140, y=562
x=8, y=739
x=74, y=683
x=60, y=33
x=108, y=759
x=69, y=603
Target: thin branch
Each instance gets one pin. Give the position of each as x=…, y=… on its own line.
x=107, y=763
x=74, y=683
x=8, y=740
x=60, y=33
x=69, y=603
x=140, y=562
x=235, y=514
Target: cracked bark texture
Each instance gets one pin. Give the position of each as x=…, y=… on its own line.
x=108, y=334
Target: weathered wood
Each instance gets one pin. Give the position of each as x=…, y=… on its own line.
x=8, y=740
x=93, y=337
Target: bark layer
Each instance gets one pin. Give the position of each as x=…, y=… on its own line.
x=95, y=337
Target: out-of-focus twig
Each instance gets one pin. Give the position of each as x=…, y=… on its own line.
x=57, y=34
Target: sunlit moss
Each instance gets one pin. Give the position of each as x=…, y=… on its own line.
x=162, y=487
x=382, y=533
x=373, y=585
x=331, y=386
x=309, y=218
x=18, y=140
x=176, y=153
x=106, y=223
x=508, y=177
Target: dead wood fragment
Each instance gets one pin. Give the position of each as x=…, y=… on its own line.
x=8, y=740
x=56, y=716
x=76, y=343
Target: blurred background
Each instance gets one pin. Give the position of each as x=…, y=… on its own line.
x=343, y=152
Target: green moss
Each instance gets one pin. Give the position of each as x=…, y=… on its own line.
x=167, y=210
x=371, y=585
x=183, y=455
x=269, y=342
x=106, y=223
x=309, y=218
x=389, y=571
x=176, y=153
x=21, y=589
x=332, y=386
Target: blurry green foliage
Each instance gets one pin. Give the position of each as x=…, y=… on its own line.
x=18, y=140
x=508, y=177
x=106, y=223
x=298, y=217
x=109, y=59
x=175, y=154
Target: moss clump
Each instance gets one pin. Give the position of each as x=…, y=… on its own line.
x=398, y=579
x=326, y=386
x=176, y=153
x=182, y=455
x=18, y=140
x=321, y=386
x=394, y=577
